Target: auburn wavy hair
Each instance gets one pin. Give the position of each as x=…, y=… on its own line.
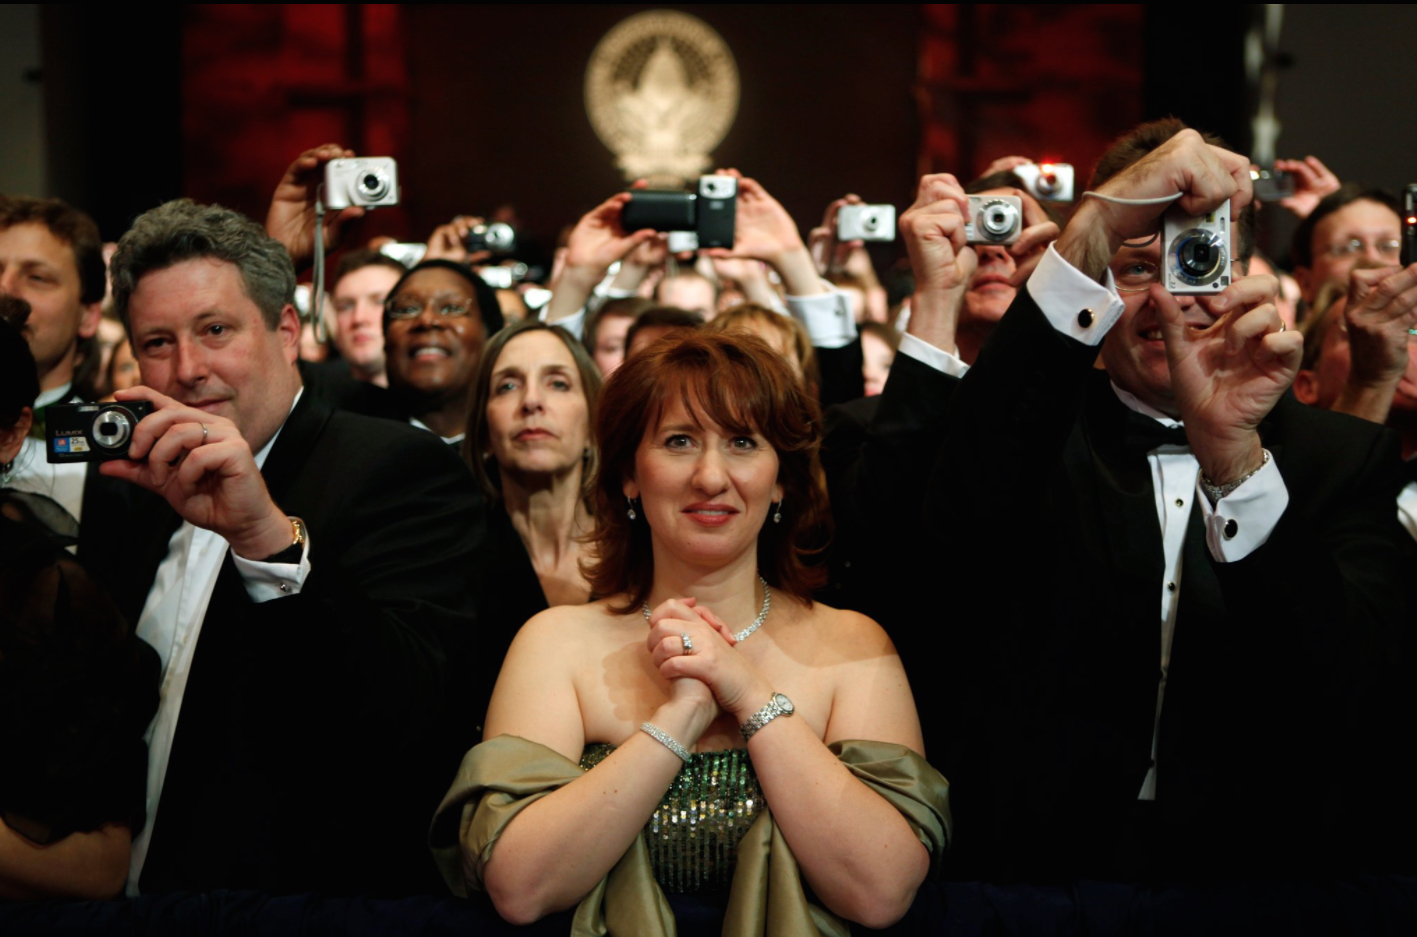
x=736, y=382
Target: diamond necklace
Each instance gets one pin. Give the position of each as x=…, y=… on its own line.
x=757, y=622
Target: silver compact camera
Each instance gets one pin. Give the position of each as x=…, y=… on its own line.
x=994, y=219
x=1047, y=182
x=1195, y=259
x=865, y=223
x=372, y=182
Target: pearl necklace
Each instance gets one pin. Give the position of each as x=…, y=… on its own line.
x=757, y=622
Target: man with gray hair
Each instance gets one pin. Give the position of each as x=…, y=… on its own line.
x=300, y=571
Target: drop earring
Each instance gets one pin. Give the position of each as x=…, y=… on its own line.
x=631, y=512
x=777, y=513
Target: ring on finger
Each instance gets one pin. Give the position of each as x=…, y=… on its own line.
x=204, y=433
x=688, y=644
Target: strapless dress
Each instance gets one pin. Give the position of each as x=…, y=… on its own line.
x=693, y=834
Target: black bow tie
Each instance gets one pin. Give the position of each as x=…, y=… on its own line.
x=1145, y=434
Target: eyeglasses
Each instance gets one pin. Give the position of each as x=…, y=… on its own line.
x=1136, y=276
x=1387, y=248
x=444, y=304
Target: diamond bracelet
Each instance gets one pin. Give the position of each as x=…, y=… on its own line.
x=667, y=740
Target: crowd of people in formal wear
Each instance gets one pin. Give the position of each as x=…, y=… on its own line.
x=740, y=584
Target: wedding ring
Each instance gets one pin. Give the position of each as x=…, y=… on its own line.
x=204, y=433
x=688, y=645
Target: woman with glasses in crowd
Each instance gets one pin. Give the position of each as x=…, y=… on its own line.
x=703, y=730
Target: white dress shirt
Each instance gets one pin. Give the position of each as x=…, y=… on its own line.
x=171, y=622
x=1249, y=513
x=61, y=481
x=450, y=440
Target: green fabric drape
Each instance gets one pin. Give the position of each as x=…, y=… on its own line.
x=502, y=776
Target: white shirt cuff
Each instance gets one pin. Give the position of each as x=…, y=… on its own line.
x=1407, y=508
x=1242, y=521
x=930, y=356
x=827, y=317
x=1076, y=305
x=574, y=323
x=266, y=581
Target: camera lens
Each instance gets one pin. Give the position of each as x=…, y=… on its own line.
x=870, y=221
x=998, y=219
x=373, y=185
x=1200, y=255
x=501, y=237
x=112, y=429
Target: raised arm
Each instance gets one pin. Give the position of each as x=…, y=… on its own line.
x=291, y=217
x=597, y=241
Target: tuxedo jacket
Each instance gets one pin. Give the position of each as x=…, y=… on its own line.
x=1030, y=628
x=315, y=736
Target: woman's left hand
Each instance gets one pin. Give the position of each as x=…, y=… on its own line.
x=736, y=685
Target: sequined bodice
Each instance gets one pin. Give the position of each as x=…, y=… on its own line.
x=693, y=834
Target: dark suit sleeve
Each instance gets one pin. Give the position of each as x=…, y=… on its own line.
x=391, y=547
x=840, y=369
x=1332, y=589
x=1013, y=412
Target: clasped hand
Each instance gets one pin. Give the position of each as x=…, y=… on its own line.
x=711, y=673
x=204, y=468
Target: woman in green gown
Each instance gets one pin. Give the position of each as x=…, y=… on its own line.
x=704, y=727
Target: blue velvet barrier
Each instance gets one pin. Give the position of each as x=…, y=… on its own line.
x=1371, y=905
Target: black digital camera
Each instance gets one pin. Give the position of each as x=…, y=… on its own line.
x=497, y=237
x=91, y=432
x=710, y=213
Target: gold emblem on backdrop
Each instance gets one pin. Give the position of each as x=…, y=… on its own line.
x=661, y=91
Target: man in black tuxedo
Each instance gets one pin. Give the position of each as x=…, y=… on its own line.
x=1069, y=505
x=301, y=572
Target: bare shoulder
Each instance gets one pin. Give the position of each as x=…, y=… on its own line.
x=846, y=635
x=574, y=628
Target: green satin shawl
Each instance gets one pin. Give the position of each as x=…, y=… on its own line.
x=500, y=777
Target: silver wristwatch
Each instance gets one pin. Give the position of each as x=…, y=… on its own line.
x=779, y=705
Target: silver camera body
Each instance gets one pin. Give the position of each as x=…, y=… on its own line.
x=865, y=223
x=994, y=219
x=1047, y=182
x=1195, y=251
x=718, y=187
x=371, y=181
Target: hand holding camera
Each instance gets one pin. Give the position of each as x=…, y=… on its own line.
x=291, y=218
x=449, y=242
x=766, y=232
x=204, y=468
x=598, y=240
x=1312, y=181
x=1230, y=360
x=1203, y=175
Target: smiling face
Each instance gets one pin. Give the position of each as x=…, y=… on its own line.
x=432, y=354
x=705, y=490
x=538, y=421
x=1133, y=352
x=201, y=340
x=40, y=268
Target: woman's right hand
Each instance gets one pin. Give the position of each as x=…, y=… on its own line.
x=669, y=622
